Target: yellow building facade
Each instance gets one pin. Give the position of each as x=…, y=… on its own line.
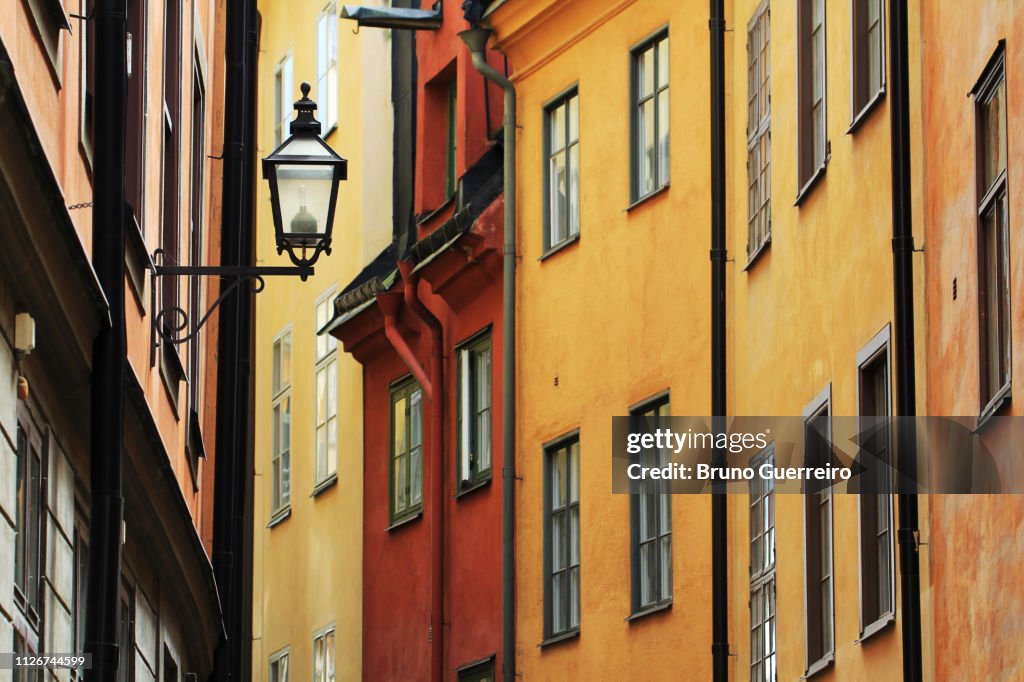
x=614, y=319
x=307, y=558
x=613, y=315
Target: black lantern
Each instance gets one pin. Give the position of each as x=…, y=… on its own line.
x=304, y=174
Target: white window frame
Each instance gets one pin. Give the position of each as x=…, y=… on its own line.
x=275, y=659
x=325, y=419
x=325, y=670
x=763, y=668
x=281, y=393
x=284, y=91
x=759, y=135
x=567, y=104
x=474, y=468
x=327, y=67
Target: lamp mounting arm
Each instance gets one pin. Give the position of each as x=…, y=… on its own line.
x=171, y=324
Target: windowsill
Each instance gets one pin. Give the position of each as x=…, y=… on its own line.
x=560, y=246
x=405, y=520
x=650, y=610
x=753, y=258
x=647, y=197
x=558, y=639
x=994, y=407
x=880, y=625
x=323, y=485
x=865, y=111
x=279, y=517
x=818, y=666
x=430, y=214
x=473, y=486
x=811, y=183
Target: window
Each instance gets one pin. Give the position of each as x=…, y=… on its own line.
x=326, y=395
x=811, y=91
x=818, y=537
x=993, y=235
x=650, y=116
x=562, y=537
x=171, y=198
x=763, y=664
x=279, y=666
x=868, y=53
x=327, y=68
x=406, y=450
x=79, y=586
x=170, y=667
x=563, y=169
x=281, y=424
x=196, y=224
x=135, y=135
x=323, y=655
x=451, y=147
x=283, y=92
x=49, y=20
x=28, y=548
x=651, y=519
x=877, y=597
x=759, y=135
x=474, y=413
x=126, y=640
x=478, y=672
x=87, y=82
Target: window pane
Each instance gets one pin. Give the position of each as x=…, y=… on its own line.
x=647, y=573
x=416, y=418
x=645, y=148
x=574, y=190
x=663, y=125
x=574, y=471
x=558, y=482
x=332, y=446
x=574, y=597
x=574, y=535
x=556, y=127
x=666, y=566
x=645, y=75
x=398, y=427
x=558, y=599
x=286, y=478
x=663, y=63
x=874, y=56
x=286, y=422
x=286, y=360
x=321, y=396
x=559, y=541
x=558, y=191
x=416, y=467
x=574, y=118
x=276, y=363
x=400, y=495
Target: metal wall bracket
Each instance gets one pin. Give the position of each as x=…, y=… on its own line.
x=172, y=324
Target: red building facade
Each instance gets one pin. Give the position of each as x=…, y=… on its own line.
x=424, y=320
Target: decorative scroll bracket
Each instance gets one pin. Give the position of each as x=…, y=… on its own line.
x=171, y=322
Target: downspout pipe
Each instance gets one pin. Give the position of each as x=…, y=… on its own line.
x=234, y=426
x=476, y=40
x=109, y=350
x=719, y=505
x=903, y=301
x=433, y=387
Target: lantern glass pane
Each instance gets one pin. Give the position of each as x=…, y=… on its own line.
x=304, y=192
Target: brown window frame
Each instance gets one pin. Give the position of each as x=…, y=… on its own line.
x=992, y=201
x=820, y=637
x=875, y=501
x=810, y=168
x=863, y=96
x=759, y=134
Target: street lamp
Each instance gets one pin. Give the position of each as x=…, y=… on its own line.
x=304, y=174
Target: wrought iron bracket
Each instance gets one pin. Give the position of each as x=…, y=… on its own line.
x=172, y=324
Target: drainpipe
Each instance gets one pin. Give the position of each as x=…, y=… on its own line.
x=476, y=41
x=232, y=521
x=903, y=299
x=433, y=387
x=109, y=350
x=719, y=507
